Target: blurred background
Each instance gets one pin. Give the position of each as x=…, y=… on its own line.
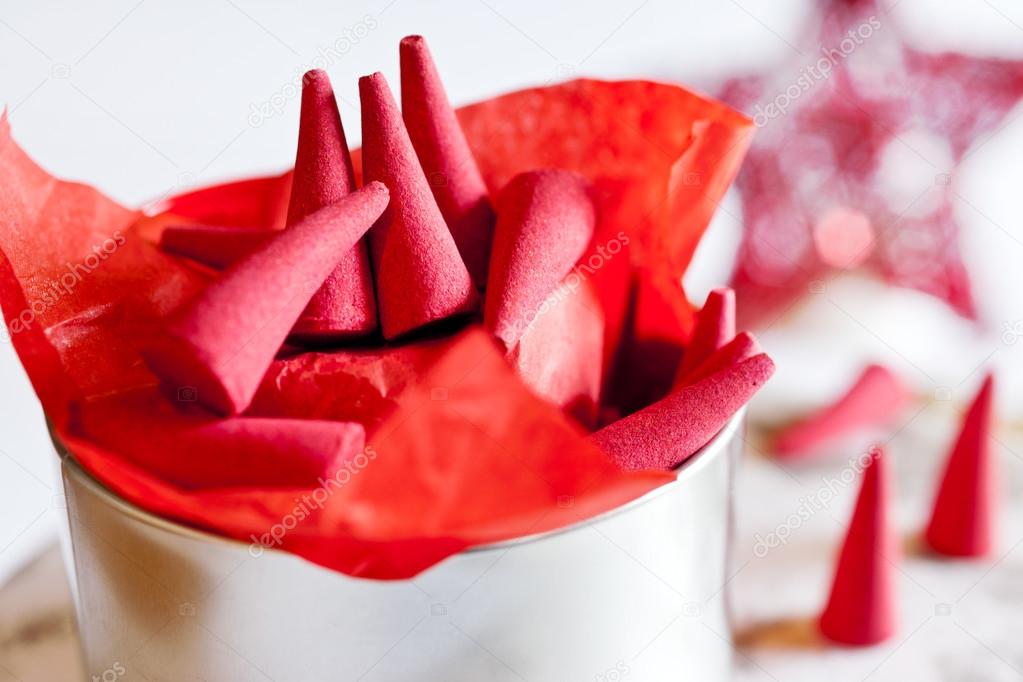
x=879, y=218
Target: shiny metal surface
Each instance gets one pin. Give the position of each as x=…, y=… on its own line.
x=637, y=593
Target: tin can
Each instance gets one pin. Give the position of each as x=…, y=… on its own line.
x=637, y=593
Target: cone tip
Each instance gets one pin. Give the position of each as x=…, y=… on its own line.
x=374, y=87
x=877, y=454
x=376, y=187
x=413, y=42
x=315, y=77
x=722, y=292
x=762, y=366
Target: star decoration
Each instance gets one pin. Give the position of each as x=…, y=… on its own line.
x=853, y=163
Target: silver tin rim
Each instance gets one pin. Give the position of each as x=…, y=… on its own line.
x=714, y=448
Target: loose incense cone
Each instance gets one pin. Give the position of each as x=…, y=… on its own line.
x=875, y=397
x=963, y=520
x=545, y=222
x=665, y=434
x=344, y=306
x=743, y=346
x=216, y=247
x=219, y=345
x=861, y=608
x=446, y=158
x=154, y=434
x=420, y=276
x=715, y=326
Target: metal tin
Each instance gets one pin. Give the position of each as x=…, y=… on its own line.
x=636, y=593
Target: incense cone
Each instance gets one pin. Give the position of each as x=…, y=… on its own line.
x=743, y=346
x=545, y=222
x=875, y=397
x=420, y=276
x=192, y=449
x=219, y=345
x=963, y=520
x=861, y=608
x=667, y=433
x=216, y=247
x=446, y=158
x=344, y=306
x=715, y=326
x=560, y=355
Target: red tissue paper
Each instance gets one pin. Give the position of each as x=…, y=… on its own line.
x=139, y=355
x=963, y=521
x=861, y=608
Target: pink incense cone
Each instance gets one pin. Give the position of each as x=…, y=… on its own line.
x=344, y=306
x=743, y=346
x=963, y=520
x=420, y=276
x=560, y=355
x=861, y=608
x=193, y=449
x=665, y=434
x=875, y=398
x=715, y=326
x=218, y=346
x=216, y=247
x=545, y=222
x=446, y=158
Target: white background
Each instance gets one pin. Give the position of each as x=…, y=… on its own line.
x=142, y=98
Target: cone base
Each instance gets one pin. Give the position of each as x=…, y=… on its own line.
x=322, y=332
x=958, y=550
x=836, y=631
x=186, y=377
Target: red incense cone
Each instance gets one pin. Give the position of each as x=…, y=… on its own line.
x=219, y=345
x=715, y=326
x=963, y=520
x=420, y=276
x=344, y=306
x=216, y=247
x=221, y=452
x=861, y=608
x=665, y=434
x=560, y=355
x=446, y=158
x=545, y=222
x=743, y=346
x=875, y=398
